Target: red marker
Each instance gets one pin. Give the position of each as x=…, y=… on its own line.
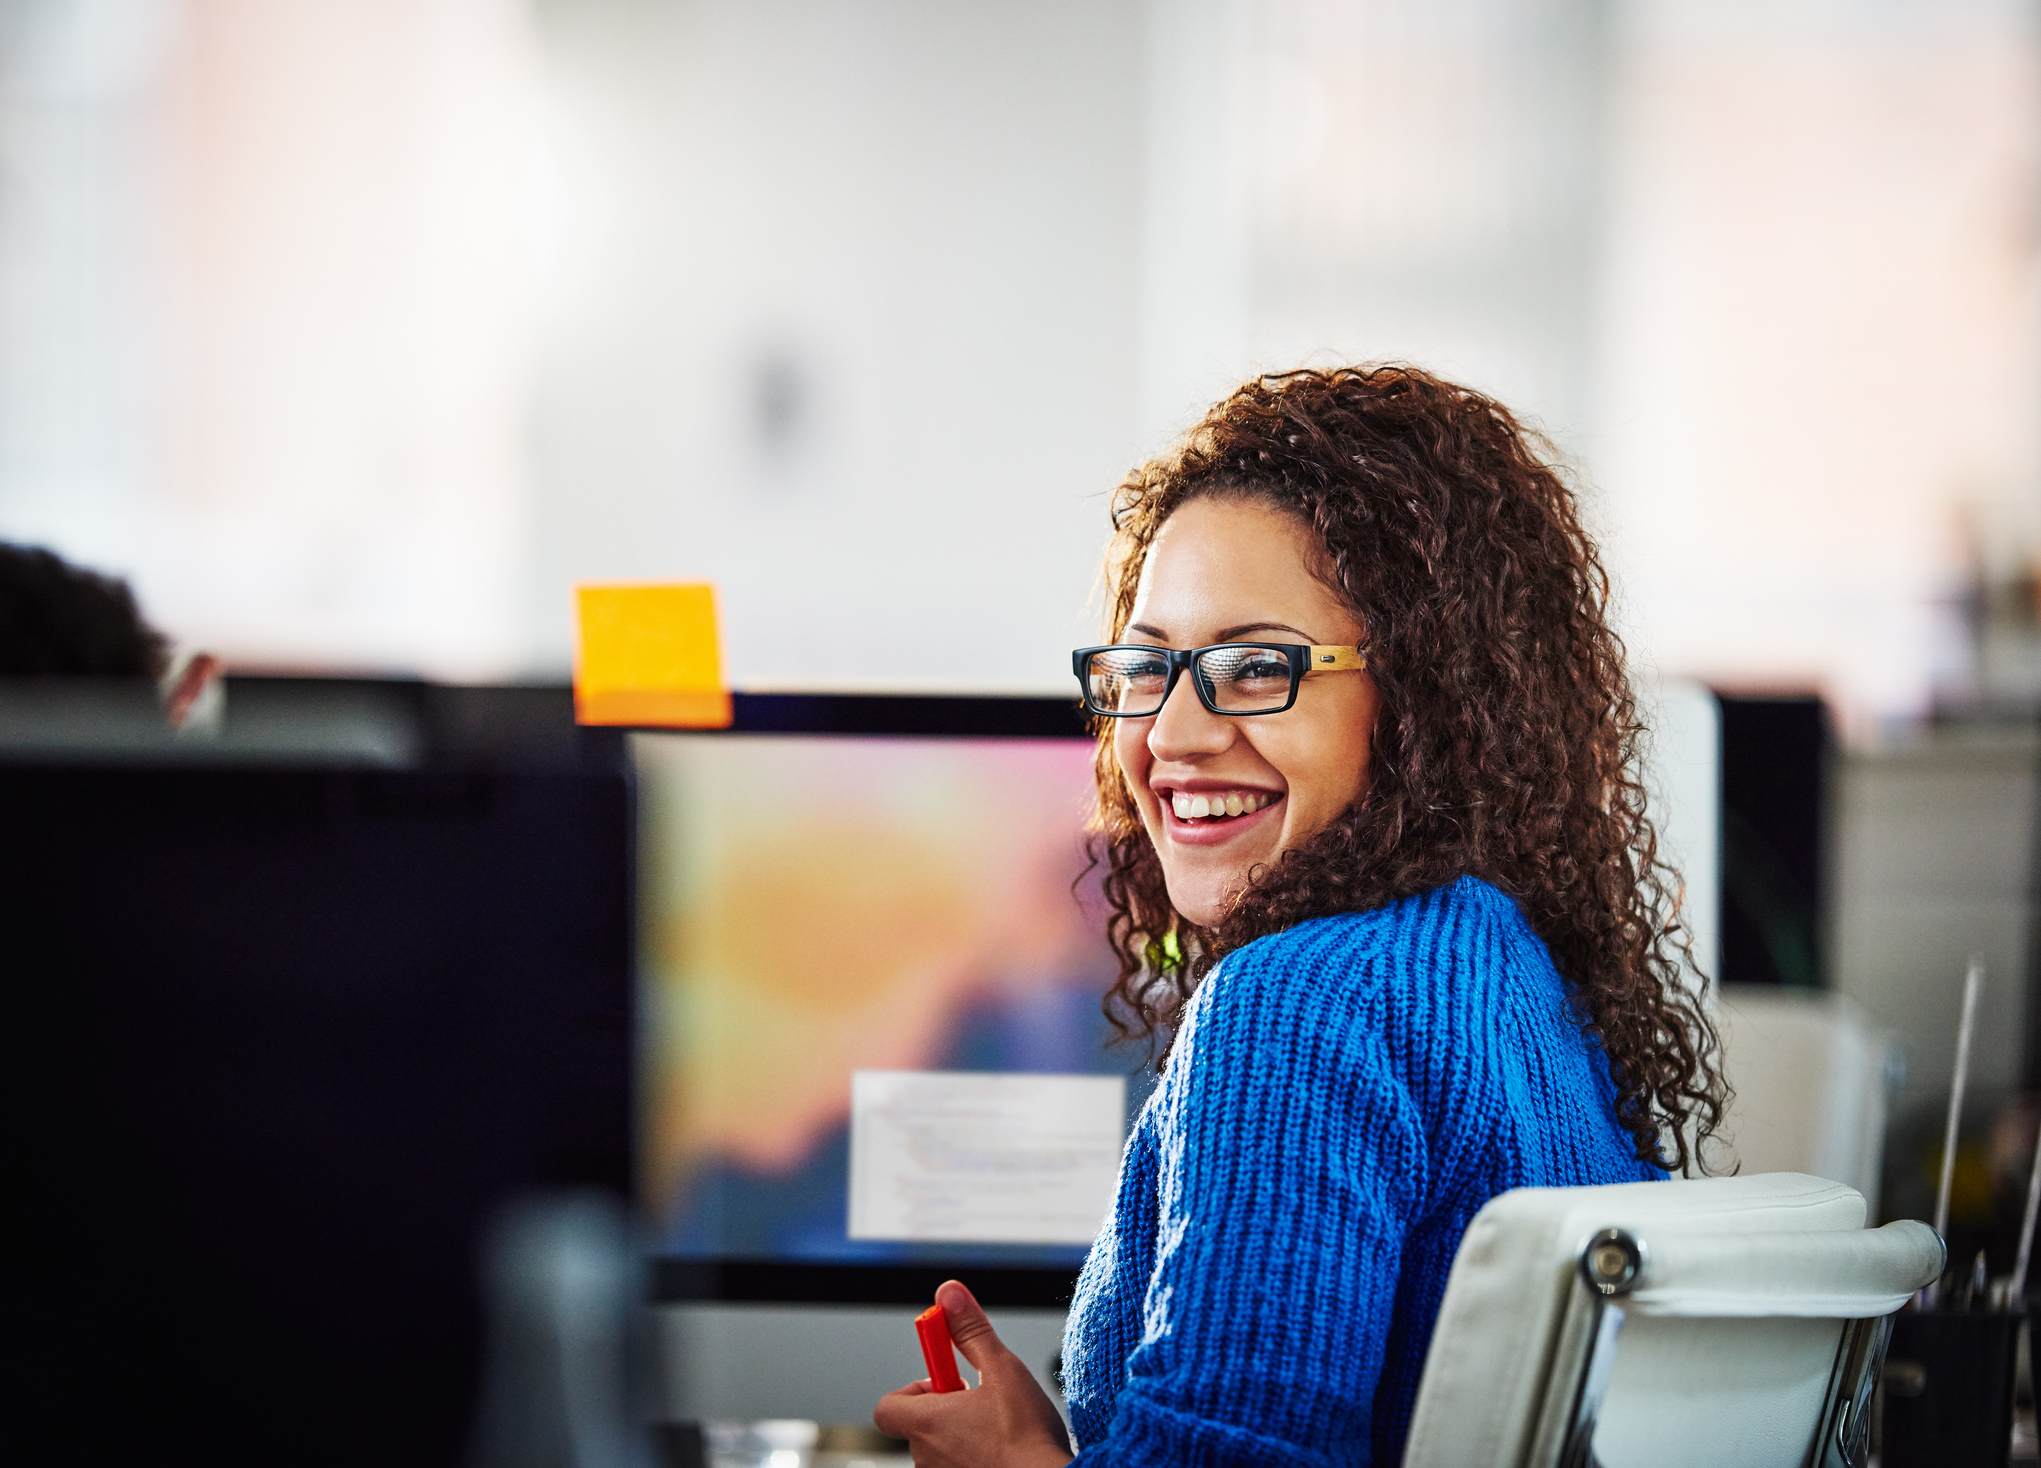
x=934, y=1329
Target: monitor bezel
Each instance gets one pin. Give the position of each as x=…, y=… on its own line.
x=679, y=1279
x=958, y=716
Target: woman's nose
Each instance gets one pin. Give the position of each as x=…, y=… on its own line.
x=1184, y=726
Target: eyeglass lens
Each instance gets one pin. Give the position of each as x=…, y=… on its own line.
x=1236, y=679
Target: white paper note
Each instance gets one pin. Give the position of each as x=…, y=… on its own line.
x=983, y=1158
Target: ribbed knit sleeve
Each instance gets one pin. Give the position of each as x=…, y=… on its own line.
x=1290, y=1163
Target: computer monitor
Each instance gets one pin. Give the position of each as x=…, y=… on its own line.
x=282, y=1043
x=1777, y=750
x=841, y=897
x=328, y=720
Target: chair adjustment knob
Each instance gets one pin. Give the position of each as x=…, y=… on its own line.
x=1612, y=1262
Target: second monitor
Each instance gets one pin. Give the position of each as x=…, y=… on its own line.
x=875, y=956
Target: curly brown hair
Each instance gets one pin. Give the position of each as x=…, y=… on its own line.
x=1507, y=742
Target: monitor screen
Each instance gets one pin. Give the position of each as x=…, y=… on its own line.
x=874, y=965
x=292, y=1041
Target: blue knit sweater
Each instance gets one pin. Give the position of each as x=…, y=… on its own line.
x=1341, y=1099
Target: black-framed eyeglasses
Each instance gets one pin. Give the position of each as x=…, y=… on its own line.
x=1127, y=680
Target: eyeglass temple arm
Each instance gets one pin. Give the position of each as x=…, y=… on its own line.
x=1336, y=658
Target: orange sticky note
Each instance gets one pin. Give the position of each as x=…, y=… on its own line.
x=647, y=656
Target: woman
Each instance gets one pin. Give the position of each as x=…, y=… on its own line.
x=1385, y=872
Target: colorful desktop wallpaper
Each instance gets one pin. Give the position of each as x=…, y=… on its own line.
x=812, y=906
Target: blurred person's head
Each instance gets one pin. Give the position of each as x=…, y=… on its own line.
x=1492, y=733
x=61, y=620
x=58, y=620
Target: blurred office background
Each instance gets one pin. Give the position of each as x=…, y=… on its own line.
x=356, y=334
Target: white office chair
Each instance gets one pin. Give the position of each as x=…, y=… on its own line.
x=1752, y=1313
x=1812, y=1076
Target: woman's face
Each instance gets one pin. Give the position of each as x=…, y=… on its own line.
x=1232, y=571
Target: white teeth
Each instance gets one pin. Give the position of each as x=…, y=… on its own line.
x=1234, y=803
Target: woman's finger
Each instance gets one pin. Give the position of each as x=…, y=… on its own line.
x=969, y=1327
x=897, y=1412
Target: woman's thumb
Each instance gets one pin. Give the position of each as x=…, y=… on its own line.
x=969, y=1328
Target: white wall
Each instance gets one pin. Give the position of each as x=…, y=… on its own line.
x=358, y=333
x=1935, y=860
x=300, y=426
x=922, y=223
x=422, y=312
x=1818, y=354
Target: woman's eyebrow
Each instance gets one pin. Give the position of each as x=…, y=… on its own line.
x=1229, y=634
x=1232, y=632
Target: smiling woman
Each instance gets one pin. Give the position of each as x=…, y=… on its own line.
x=1493, y=733
x=1380, y=871
x=1220, y=570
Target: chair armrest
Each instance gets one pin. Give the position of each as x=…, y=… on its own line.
x=1852, y=1276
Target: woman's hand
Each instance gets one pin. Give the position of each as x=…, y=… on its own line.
x=1006, y=1421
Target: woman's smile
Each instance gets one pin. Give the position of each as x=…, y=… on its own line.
x=1204, y=815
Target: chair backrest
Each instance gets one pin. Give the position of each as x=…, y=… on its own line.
x=1812, y=1076
x=1737, y=1301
